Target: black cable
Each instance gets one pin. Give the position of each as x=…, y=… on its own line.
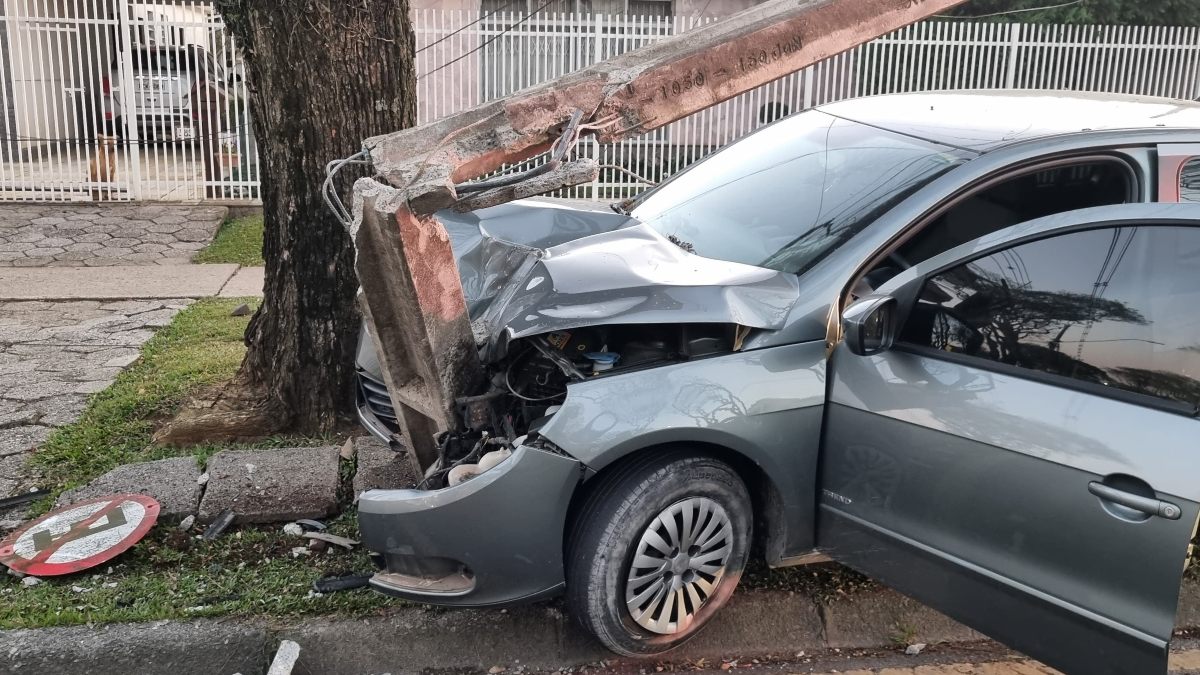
x=488, y=41
x=456, y=31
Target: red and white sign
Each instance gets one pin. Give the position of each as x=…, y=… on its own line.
x=80, y=535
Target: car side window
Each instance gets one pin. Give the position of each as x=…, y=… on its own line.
x=1019, y=199
x=1116, y=307
x=1189, y=181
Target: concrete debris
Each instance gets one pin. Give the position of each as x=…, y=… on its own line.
x=298, y=551
x=344, y=542
x=241, y=310
x=202, y=479
x=914, y=649
x=293, y=529
x=285, y=484
x=285, y=658
x=186, y=523
x=15, y=573
x=347, y=451
x=222, y=521
x=30, y=582
x=171, y=482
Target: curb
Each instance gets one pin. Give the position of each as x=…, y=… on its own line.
x=540, y=637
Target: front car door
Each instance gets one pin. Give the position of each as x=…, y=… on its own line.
x=1025, y=456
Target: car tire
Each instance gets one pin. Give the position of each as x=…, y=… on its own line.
x=624, y=552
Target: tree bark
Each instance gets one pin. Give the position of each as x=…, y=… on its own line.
x=323, y=75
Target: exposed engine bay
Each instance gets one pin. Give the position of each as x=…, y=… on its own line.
x=529, y=384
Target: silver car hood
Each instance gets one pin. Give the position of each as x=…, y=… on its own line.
x=537, y=266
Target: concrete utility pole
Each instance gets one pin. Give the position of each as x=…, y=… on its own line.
x=411, y=293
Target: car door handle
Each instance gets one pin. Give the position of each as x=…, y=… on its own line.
x=1152, y=507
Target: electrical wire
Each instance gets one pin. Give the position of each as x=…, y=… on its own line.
x=456, y=31
x=1011, y=11
x=627, y=172
x=488, y=41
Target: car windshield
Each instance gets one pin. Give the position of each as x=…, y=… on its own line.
x=789, y=194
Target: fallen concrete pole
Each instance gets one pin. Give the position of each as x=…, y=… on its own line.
x=416, y=308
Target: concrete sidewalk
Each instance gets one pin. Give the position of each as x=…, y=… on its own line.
x=129, y=282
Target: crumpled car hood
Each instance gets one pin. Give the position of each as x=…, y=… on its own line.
x=538, y=266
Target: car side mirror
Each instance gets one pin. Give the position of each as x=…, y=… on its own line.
x=869, y=325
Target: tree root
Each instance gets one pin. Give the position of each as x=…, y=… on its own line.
x=234, y=412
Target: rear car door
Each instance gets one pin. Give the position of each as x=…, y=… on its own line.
x=1024, y=455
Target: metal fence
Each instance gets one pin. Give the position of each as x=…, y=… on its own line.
x=121, y=100
x=116, y=101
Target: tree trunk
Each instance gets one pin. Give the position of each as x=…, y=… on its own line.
x=323, y=75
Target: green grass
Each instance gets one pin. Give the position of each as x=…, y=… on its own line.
x=248, y=571
x=169, y=575
x=239, y=241
x=201, y=347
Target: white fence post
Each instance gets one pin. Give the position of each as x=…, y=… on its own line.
x=1014, y=48
x=1162, y=62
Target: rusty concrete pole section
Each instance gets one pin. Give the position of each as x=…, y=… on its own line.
x=415, y=311
x=640, y=90
x=411, y=294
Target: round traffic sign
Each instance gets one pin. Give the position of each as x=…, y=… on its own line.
x=80, y=535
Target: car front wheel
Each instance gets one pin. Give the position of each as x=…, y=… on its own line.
x=658, y=548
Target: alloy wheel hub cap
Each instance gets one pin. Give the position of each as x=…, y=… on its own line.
x=678, y=564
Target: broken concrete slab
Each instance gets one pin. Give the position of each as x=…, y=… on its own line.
x=264, y=486
x=171, y=481
x=380, y=467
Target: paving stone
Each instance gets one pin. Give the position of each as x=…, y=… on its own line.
x=48, y=350
x=34, y=390
x=94, y=237
x=380, y=467
x=123, y=361
x=59, y=410
x=36, y=235
x=93, y=387
x=170, y=481
x=18, y=440
x=193, y=235
x=263, y=486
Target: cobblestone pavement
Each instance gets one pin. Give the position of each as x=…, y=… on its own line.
x=52, y=356
x=50, y=235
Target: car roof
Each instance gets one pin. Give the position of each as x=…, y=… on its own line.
x=986, y=120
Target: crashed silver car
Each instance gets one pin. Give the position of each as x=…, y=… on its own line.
x=950, y=340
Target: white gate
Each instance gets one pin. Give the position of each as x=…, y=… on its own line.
x=121, y=100
x=145, y=100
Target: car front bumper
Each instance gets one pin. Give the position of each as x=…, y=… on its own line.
x=496, y=539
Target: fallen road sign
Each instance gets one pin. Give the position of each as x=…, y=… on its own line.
x=80, y=535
